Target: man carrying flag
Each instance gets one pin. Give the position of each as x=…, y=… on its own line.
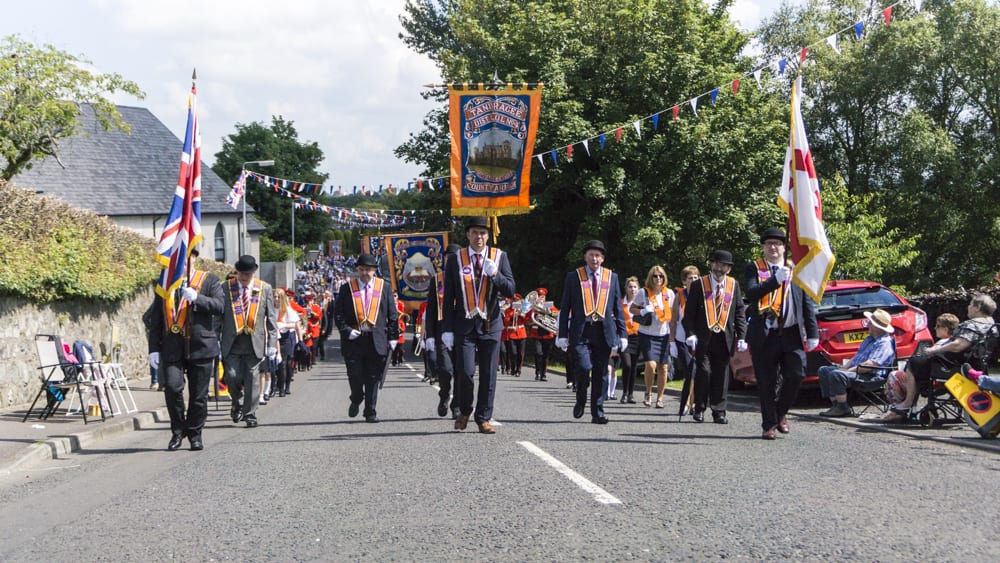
x=188, y=305
x=783, y=322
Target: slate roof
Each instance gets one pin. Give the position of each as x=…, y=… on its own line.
x=113, y=173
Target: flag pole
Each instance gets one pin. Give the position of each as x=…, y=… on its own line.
x=187, y=265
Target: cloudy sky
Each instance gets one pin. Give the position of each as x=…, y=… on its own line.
x=337, y=69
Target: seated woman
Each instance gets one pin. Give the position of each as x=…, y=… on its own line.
x=876, y=351
x=945, y=358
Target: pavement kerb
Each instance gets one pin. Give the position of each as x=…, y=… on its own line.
x=58, y=446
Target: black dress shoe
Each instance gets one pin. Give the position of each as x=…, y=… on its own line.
x=352, y=411
x=196, y=445
x=624, y=398
x=578, y=410
x=175, y=442
x=698, y=416
x=719, y=417
x=251, y=421
x=543, y=378
x=443, y=407
x=237, y=413
x=371, y=418
x=599, y=420
x=288, y=391
x=631, y=401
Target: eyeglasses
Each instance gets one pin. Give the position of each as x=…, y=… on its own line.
x=658, y=276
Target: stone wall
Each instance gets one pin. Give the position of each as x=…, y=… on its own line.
x=21, y=320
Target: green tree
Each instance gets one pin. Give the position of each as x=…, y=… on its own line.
x=293, y=160
x=41, y=89
x=909, y=116
x=687, y=187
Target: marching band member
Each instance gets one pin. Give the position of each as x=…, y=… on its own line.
x=516, y=335
x=540, y=339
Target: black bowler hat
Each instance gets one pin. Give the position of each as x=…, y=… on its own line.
x=595, y=245
x=367, y=260
x=246, y=264
x=476, y=222
x=722, y=257
x=773, y=233
x=452, y=249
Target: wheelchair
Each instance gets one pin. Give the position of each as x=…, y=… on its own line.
x=943, y=405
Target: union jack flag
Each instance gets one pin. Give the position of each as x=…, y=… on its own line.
x=183, y=227
x=235, y=194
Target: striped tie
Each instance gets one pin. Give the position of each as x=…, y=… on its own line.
x=246, y=304
x=718, y=300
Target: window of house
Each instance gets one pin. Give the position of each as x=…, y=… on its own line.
x=220, y=243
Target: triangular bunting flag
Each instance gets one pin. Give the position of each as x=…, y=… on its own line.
x=858, y=28
x=656, y=121
x=675, y=110
x=553, y=155
x=756, y=76
x=618, y=135
x=714, y=94
x=586, y=146
x=887, y=15
x=638, y=128
x=569, y=152
x=694, y=106
x=832, y=42
x=736, y=86
x=802, y=54
x=918, y=5
x=601, y=139
x=540, y=161
x=781, y=65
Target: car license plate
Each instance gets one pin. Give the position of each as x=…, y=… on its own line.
x=855, y=337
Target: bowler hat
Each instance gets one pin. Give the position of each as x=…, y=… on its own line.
x=773, y=233
x=722, y=257
x=367, y=260
x=452, y=248
x=246, y=264
x=480, y=222
x=595, y=245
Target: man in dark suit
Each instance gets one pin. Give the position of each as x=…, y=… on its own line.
x=474, y=282
x=591, y=324
x=368, y=321
x=444, y=360
x=716, y=324
x=781, y=319
x=187, y=341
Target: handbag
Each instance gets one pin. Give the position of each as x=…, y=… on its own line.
x=646, y=319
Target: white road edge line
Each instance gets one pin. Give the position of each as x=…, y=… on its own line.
x=599, y=494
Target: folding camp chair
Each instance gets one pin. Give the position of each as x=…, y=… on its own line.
x=58, y=377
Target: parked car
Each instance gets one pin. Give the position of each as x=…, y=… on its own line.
x=843, y=325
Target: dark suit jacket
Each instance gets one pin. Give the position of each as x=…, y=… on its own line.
x=572, y=321
x=805, y=309
x=204, y=326
x=453, y=308
x=695, y=322
x=432, y=327
x=386, y=322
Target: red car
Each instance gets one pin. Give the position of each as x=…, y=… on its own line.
x=843, y=325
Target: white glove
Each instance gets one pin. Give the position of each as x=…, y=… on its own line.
x=623, y=344
x=354, y=334
x=741, y=346
x=270, y=352
x=448, y=340
x=562, y=344
x=277, y=357
x=154, y=360
x=673, y=349
x=692, y=342
x=489, y=267
x=429, y=344
x=647, y=309
x=189, y=294
x=781, y=274
x=811, y=344
x=393, y=344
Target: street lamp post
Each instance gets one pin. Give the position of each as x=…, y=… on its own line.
x=293, y=231
x=243, y=236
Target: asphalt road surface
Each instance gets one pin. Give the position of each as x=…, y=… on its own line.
x=311, y=484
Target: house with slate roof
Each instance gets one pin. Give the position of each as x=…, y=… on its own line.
x=131, y=179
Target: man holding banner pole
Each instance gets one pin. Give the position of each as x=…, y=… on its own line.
x=474, y=282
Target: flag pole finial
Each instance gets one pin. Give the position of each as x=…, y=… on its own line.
x=194, y=76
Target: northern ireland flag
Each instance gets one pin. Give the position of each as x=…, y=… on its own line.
x=800, y=199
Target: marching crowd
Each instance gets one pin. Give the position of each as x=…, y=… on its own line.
x=474, y=326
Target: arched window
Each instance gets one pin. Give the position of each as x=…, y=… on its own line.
x=220, y=243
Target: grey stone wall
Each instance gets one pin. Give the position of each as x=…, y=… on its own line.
x=21, y=320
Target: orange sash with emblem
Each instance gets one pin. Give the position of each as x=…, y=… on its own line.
x=246, y=321
x=631, y=327
x=595, y=306
x=366, y=317
x=663, y=312
x=717, y=319
x=475, y=301
x=771, y=302
x=176, y=316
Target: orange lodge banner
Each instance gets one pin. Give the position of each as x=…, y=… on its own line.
x=492, y=140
